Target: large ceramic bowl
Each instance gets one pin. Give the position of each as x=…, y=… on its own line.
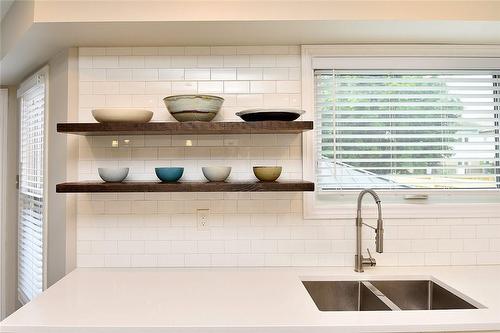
x=113, y=175
x=169, y=174
x=122, y=115
x=193, y=107
x=267, y=173
x=216, y=173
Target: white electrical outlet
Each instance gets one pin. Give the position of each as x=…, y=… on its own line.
x=203, y=218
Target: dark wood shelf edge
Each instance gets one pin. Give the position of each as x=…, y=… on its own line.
x=195, y=127
x=281, y=186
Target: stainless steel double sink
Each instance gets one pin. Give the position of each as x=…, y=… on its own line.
x=388, y=295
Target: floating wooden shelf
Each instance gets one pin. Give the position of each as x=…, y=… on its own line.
x=195, y=127
x=137, y=186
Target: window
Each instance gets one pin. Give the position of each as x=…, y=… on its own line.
x=418, y=123
x=31, y=204
x=412, y=129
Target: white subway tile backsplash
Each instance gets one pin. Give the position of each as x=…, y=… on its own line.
x=276, y=74
x=249, y=73
x=130, y=88
x=288, y=61
x=236, y=61
x=245, y=229
x=262, y=61
x=288, y=87
x=131, y=247
x=235, y=87
x=171, y=74
x=145, y=74
x=105, y=62
x=91, y=51
x=184, y=61
x=223, y=50
x=117, y=260
x=85, y=62
x=170, y=260
x=210, y=87
x=92, y=74
x=159, y=62
x=210, y=61
x=118, y=51
x=131, y=61
x=119, y=74
x=223, y=74
x=197, y=74
x=265, y=87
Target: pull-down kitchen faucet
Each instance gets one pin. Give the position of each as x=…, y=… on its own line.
x=359, y=261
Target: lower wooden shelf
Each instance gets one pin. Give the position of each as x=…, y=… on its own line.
x=152, y=186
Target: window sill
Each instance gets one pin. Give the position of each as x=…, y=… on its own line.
x=316, y=209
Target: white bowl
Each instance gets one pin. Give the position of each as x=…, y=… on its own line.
x=113, y=175
x=216, y=173
x=122, y=115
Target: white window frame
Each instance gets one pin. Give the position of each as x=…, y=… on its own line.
x=30, y=82
x=3, y=208
x=392, y=56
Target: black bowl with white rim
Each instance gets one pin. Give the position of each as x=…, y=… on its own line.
x=270, y=114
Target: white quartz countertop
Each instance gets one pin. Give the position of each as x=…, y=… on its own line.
x=243, y=299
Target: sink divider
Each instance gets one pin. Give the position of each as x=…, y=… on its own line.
x=381, y=296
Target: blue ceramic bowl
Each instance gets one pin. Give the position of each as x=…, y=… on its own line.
x=169, y=174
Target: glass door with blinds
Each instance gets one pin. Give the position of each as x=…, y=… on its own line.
x=407, y=129
x=31, y=215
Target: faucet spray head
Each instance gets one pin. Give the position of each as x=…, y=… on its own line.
x=379, y=236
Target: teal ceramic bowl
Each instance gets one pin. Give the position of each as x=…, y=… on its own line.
x=169, y=174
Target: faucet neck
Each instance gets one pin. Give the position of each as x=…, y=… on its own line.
x=360, y=200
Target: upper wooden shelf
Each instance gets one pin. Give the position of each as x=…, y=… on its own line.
x=156, y=186
x=195, y=127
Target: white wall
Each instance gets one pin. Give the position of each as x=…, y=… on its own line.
x=247, y=229
x=62, y=164
x=9, y=243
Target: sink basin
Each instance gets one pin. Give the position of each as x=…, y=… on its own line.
x=421, y=295
x=344, y=296
x=388, y=295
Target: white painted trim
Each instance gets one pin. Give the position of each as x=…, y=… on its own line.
x=327, y=55
x=4, y=106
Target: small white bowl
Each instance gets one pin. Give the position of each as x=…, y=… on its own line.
x=122, y=115
x=113, y=175
x=216, y=173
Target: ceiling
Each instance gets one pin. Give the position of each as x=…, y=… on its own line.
x=35, y=30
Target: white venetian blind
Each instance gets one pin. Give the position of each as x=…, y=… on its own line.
x=407, y=129
x=31, y=192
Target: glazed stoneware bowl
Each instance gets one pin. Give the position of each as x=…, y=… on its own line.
x=216, y=173
x=113, y=175
x=193, y=107
x=122, y=115
x=169, y=174
x=267, y=173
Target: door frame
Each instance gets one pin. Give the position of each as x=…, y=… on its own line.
x=4, y=107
